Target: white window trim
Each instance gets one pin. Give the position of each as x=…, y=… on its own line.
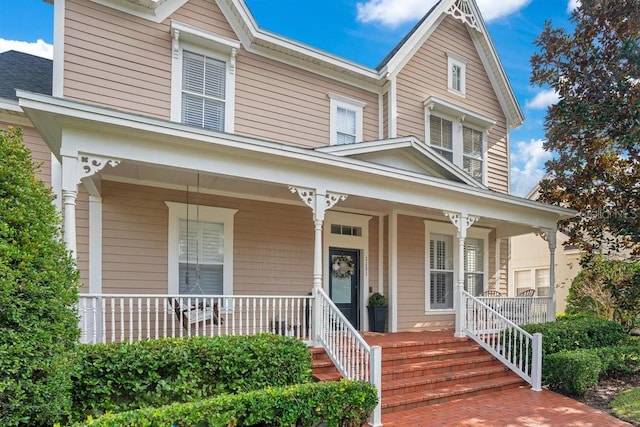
x=178, y=211
x=459, y=116
x=339, y=101
x=204, y=43
x=449, y=229
x=454, y=59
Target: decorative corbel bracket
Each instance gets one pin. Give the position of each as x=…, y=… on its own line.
x=175, y=44
x=89, y=165
x=232, y=60
x=332, y=198
x=548, y=235
x=307, y=195
x=461, y=221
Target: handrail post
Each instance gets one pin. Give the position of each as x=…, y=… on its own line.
x=536, y=362
x=376, y=379
x=317, y=317
x=460, y=304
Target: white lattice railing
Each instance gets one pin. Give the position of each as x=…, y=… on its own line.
x=113, y=318
x=350, y=353
x=502, y=337
x=522, y=310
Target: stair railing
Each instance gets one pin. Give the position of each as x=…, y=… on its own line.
x=505, y=340
x=348, y=350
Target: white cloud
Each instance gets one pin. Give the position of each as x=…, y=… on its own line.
x=527, y=165
x=543, y=99
x=39, y=48
x=395, y=12
x=573, y=4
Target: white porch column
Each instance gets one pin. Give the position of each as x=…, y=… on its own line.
x=462, y=222
x=549, y=234
x=69, y=195
x=319, y=204
x=393, y=271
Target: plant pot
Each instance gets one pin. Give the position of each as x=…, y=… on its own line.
x=377, y=317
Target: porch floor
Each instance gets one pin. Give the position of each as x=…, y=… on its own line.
x=512, y=406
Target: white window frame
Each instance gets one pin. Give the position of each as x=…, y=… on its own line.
x=338, y=101
x=178, y=211
x=454, y=60
x=449, y=229
x=460, y=117
x=533, y=279
x=210, y=45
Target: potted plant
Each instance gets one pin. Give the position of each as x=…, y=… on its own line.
x=378, y=310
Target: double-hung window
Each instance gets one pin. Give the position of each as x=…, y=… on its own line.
x=202, y=78
x=456, y=74
x=458, y=134
x=345, y=125
x=440, y=271
x=200, y=250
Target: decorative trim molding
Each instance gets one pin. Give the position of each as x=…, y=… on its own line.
x=332, y=198
x=89, y=165
x=307, y=195
x=461, y=10
x=548, y=235
x=461, y=221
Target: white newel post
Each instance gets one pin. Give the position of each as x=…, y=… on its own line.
x=549, y=234
x=462, y=222
x=319, y=204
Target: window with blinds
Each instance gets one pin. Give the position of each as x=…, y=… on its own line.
x=441, y=136
x=203, y=91
x=542, y=282
x=472, y=150
x=474, y=265
x=346, y=126
x=440, y=271
x=200, y=257
x=522, y=280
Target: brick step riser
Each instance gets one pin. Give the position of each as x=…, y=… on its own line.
x=427, y=347
x=417, y=358
x=443, y=383
x=398, y=374
x=443, y=399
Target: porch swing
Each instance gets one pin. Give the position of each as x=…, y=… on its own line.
x=200, y=312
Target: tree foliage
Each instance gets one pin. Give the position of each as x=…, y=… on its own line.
x=38, y=287
x=594, y=129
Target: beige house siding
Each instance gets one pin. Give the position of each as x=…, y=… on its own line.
x=82, y=236
x=273, y=243
x=283, y=103
x=374, y=252
x=426, y=75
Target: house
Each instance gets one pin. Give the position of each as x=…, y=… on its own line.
x=529, y=264
x=196, y=154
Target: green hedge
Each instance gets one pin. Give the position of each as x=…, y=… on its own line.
x=572, y=333
x=620, y=359
x=572, y=372
x=124, y=376
x=344, y=403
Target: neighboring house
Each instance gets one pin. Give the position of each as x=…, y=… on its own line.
x=198, y=154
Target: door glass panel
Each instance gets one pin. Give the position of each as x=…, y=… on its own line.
x=342, y=269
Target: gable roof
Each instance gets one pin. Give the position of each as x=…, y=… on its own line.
x=23, y=71
x=407, y=153
x=266, y=43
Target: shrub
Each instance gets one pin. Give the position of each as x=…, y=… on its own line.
x=122, y=376
x=38, y=288
x=572, y=372
x=620, y=359
x=344, y=403
x=572, y=333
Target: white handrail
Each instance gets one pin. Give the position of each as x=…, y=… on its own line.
x=107, y=318
x=503, y=338
x=348, y=350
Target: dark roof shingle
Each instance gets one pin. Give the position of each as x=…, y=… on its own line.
x=23, y=71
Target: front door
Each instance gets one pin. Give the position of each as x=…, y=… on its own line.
x=344, y=282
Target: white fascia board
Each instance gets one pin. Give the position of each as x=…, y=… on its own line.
x=10, y=105
x=155, y=11
x=455, y=110
x=176, y=145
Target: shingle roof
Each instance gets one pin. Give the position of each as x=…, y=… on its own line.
x=23, y=71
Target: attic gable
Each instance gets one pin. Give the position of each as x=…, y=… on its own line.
x=406, y=154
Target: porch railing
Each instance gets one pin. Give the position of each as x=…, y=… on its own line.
x=483, y=321
x=350, y=353
x=522, y=310
x=107, y=318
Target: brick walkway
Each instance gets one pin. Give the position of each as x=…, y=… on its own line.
x=508, y=408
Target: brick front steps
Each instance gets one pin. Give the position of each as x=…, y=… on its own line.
x=424, y=368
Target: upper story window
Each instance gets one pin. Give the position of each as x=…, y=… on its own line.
x=345, y=125
x=458, y=135
x=457, y=73
x=203, y=78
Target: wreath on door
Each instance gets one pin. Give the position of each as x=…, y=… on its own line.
x=343, y=267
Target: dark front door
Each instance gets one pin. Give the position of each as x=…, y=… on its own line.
x=344, y=281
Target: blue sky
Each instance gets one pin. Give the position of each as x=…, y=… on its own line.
x=364, y=31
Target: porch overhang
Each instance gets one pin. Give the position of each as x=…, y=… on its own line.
x=71, y=127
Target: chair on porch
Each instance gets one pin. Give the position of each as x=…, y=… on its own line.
x=491, y=293
x=196, y=313
x=527, y=293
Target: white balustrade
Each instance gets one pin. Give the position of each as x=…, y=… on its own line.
x=107, y=318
